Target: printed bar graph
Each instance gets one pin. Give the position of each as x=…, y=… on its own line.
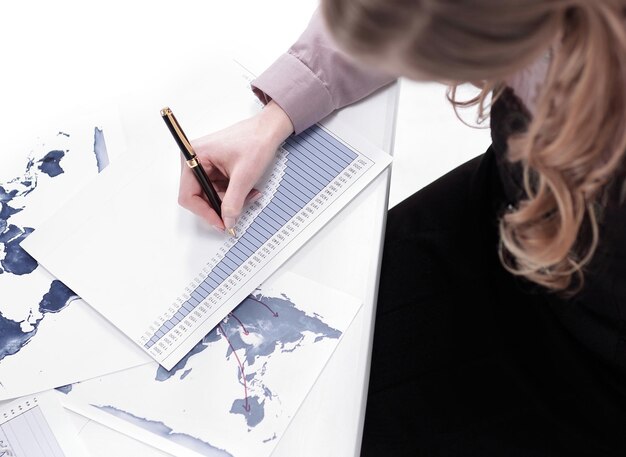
x=311, y=171
x=24, y=432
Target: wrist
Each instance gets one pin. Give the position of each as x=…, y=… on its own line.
x=275, y=124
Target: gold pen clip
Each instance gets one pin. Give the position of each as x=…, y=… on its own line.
x=167, y=112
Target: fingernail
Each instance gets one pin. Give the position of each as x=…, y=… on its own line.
x=229, y=222
x=218, y=229
x=255, y=197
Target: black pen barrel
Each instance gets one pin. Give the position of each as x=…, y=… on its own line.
x=191, y=159
x=208, y=189
x=178, y=137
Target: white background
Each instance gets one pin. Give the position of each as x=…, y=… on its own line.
x=52, y=48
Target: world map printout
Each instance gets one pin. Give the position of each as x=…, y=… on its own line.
x=235, y=393
x=41, y=319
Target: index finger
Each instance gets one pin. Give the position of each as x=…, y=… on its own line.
x=200, y=207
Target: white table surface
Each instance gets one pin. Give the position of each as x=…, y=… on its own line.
x=65, y=54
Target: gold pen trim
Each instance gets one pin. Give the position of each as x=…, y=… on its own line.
x=193, y=163
x=168, y=113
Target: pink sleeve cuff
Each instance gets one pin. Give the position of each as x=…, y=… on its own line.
x=296, y=89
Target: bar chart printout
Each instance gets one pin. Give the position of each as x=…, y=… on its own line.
x=176, y=281
x=313, y=170
x=25, y=432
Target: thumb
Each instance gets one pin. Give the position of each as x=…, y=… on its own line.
x=234, y=199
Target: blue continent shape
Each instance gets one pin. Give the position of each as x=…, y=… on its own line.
x=253, y=410
x=16, y=261
x=163, y=374
x=161, y=429
x=278, y=322
x=57, y=298
x=13, y=338
x=259, y=318
x=51, y=163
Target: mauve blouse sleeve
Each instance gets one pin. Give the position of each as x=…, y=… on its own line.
x=314, y=78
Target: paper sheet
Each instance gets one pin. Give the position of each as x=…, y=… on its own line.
x=235, y=393
x=154, y=270
x=37, y=426
x=49, y=337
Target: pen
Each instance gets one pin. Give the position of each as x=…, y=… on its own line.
x=193, y=162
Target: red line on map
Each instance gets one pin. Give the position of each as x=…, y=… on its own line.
x=259, y=301
x=243, y=373
x=245, y=330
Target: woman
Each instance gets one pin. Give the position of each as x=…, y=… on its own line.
x=505, y=277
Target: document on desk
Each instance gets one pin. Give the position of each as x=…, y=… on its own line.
x=236, y=392
x=47, y=333
x=37, y=426
x=165, y=279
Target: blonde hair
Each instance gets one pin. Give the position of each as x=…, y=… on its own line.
x=576, y=141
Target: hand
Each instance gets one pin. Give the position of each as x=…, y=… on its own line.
x=235, y=159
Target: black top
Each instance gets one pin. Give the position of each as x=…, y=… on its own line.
x=470, y=360
x=592, y=324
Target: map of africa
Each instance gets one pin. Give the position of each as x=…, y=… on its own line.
x=252, y=372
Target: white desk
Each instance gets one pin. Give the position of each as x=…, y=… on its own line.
x=79, y=53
